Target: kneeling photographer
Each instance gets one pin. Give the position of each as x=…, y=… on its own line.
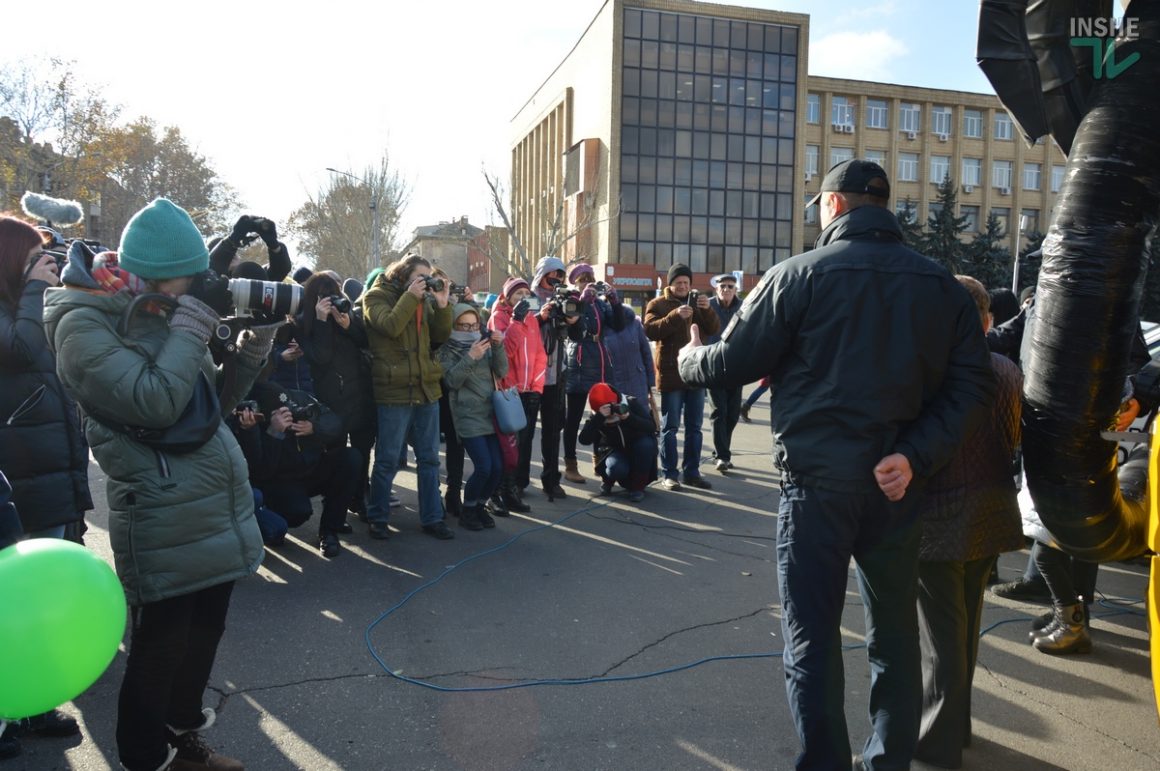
x=132, y=348
x=623, y=434
x=296, y=449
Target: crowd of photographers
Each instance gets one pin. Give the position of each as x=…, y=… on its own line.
x=232, y=394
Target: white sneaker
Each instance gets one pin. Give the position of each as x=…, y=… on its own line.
x=671, y=484
x=724, y=465
x=209, y=717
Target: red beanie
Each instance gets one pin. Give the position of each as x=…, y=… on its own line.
x=602, y=394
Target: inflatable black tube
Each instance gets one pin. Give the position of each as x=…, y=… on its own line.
x=1094, y=260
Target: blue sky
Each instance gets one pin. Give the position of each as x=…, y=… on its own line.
x=273, y=93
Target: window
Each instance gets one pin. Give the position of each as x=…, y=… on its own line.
x=904, y=210
x=1002, y=125
x=1029, y=219
x=940, y=121
x=1003, y=216
x=971, y=216
x=876, y=114
x=840, y=155
x=877, y=156
x=940, y=168
x=908, y=167
x=973, y=124
x=812, y=160
x=841, y=111
x=1056, y=178
x=813, y=109
x=1001, y=175
x=811, y=211
x=972, y=171
x=909, y=117
x=1031, y=175
x=934, y=209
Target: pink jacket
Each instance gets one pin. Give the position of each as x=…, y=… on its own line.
x=527, y=362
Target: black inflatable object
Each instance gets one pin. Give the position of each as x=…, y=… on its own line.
x=1095, y=258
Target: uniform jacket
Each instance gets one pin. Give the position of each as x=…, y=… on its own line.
x=401, y=330
x=969, y=510
x=527, y=361
x=871, y=349
x=42, y=447
x=470, y=384
x=663, y=324
x=177, y=523
x=631, y=359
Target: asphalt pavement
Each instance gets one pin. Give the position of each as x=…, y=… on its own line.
x=595, y=634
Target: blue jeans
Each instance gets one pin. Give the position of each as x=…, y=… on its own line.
x=487, y=468
x=633, y=467
x=818, y=531
x=417, y=425
x=692, y=402
x=753, y=397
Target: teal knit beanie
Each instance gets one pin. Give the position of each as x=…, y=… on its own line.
x=161, y=241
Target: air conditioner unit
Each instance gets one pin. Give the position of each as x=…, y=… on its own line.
x=1004, y=191
x=968, y=188
x=942, y=137
x=837, y=127
x=911, y=134
x=809, y=176
x=848, y=128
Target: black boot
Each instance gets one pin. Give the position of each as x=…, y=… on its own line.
x=469, y=517
x=495, y=506
x=484, y=516
x=552, y=487
x=510, y=495
x=451, y=501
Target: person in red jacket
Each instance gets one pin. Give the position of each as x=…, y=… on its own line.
x=527, y=368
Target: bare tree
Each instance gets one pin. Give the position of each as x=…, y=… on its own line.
x=562, y=224
x=335, y=227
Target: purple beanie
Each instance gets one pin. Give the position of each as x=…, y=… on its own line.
x=512, y=284
x=579, y=269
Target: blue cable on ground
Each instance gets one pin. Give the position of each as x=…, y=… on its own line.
x=1120, y=609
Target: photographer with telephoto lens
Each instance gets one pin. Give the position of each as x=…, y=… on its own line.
x=181, y=522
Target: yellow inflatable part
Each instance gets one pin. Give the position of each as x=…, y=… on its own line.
x=1154, y=545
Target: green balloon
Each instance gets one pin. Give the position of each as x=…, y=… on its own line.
x=62, y=616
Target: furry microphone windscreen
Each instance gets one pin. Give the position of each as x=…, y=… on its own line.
x=56, y=210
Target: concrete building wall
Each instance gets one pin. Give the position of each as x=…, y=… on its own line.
x=895, y=142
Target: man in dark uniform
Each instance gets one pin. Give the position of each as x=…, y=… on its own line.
x=879, y=369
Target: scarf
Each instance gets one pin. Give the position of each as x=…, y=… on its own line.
x=112, y=279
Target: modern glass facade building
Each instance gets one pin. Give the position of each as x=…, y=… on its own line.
x=669, y=134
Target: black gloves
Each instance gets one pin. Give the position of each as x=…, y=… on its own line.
x=520, y=312
x=214, y=291
x=267, y=231
x=245, y=231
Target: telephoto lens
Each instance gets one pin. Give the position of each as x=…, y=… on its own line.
x=272, y=297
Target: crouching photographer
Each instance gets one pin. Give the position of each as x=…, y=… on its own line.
x=623, y=434
x=134, y=353
x=296, y=449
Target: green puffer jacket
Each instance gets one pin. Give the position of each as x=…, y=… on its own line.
x=470, y=384
x=403, y=368
x=177, y=523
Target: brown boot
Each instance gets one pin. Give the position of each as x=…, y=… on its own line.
x=193, y=753
x=572, y=472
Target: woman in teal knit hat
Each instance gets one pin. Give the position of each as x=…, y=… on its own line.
x=473, y=359
x=181, y=524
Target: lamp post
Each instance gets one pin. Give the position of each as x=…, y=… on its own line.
x=376, y=256
x=1018, y=245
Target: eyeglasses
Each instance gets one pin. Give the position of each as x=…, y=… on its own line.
x=467, y=327
x=728, y=287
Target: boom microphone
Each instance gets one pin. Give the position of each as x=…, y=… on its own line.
x=55, y=210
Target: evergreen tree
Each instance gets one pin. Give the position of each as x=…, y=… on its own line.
x=944, y=230
x=1028, y=265
x=987, y=259
x=912, y=234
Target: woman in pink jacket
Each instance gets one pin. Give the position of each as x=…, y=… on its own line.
x=527, y=366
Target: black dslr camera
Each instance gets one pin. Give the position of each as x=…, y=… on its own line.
x=311, y=410
x=459, y=294
x=564, y=303
x=340, y=303
x=619, y=408
x=434, y=283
